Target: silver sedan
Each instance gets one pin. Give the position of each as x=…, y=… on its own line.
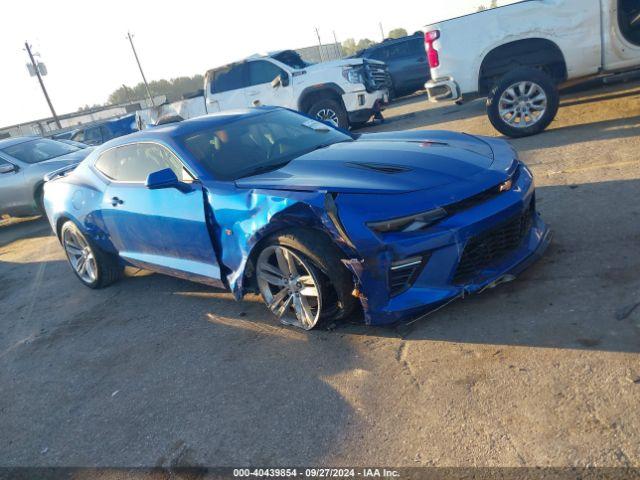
x=24, y=161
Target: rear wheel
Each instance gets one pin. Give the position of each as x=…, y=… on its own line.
x=39, y=199
x=328, y=110
x=94, y=268
x=302, y=279
x=523, y=103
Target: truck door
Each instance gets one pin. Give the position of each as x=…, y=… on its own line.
x=261, y=91
x=621, y=20
x=225, y=90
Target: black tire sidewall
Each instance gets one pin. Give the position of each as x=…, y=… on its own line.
x=523, y=74
x=341, y=113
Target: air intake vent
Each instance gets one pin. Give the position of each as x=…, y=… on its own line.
x=380, y=167
x=403, y=273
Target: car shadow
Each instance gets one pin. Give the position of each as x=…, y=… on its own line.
x=13, y=229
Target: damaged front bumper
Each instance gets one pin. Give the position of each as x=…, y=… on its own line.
x=448, y=261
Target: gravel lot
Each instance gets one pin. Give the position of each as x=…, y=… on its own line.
x=544, y=371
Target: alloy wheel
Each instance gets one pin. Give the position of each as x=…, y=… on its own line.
x=289, y=287
x=523, y=104
x=328, y=114
x=80, y=255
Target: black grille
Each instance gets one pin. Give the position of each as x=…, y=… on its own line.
x=479, y=198
x=377, y=76
x=491, y=246
x=402, y=277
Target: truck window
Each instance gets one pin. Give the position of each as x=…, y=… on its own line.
x=629, y=20
x=228, y=78
x=262, y=71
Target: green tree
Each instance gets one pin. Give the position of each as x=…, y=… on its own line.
x=364, y=43
x=349, y=47
x=174, y=89
x=398, y=33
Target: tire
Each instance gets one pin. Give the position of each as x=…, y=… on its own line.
x=104, y=268
x=321, y=259
x=39, y=199
x=330, y=110
x=518, y=82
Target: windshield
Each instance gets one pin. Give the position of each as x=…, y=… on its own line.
x=292, y=59
x=258, y=143
x=39, y=150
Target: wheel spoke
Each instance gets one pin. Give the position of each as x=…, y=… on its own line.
x=73, y=249
x=90, y=267
x=283, y=264
x=280, y=302
x=306, y=309
x=309, y=292
x=272, y=279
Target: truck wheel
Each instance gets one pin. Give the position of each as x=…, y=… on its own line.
x=523, y=103
x=328, y=110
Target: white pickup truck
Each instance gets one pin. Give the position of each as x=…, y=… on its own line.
x=518, y=55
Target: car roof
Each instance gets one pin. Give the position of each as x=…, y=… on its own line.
x=174, y=130
x=8, y=142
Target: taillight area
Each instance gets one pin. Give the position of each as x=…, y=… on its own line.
x=432, y=53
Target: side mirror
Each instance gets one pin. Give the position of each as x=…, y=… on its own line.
x=276, y=82
x=165, y=179
x=7, y=168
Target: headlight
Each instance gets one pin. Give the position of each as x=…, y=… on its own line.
x=411, y=223
x=353, y=74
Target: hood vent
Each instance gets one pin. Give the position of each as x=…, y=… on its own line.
x=380, y=167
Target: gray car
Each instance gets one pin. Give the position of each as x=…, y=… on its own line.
x=24, y=161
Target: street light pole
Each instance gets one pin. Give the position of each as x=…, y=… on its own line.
x=144, y=79
x=44, y=90
x=382, y=31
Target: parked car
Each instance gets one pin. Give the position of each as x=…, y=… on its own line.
x=24, y=161
x=313, y=218
x=517, y=55
x=98, y=133
x=345, y=92
x=406, y=60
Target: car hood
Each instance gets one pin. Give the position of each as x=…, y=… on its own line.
x=382, y=163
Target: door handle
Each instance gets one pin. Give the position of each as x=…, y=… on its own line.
x=115, y=201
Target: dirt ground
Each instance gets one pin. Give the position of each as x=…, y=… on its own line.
x=543, y=371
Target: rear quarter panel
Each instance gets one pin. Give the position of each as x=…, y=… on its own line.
x=464, y=42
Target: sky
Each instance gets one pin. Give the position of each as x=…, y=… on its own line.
x=84, y=45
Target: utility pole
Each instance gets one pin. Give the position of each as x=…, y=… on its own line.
x=338, y=46
x=381, y=31
x=319, y=43
x=44, y=90
x=144, y=79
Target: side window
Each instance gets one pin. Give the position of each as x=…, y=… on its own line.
x=228, y=78
x=134, y=163
x=262, y=71
x=105, y=133
x=78, y=136
x=108, y=163
x=629, y=20
x=92, y=136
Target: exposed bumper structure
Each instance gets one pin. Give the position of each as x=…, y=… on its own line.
x=361, y=105
x=442, y=89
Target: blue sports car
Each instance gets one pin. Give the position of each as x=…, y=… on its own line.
x=315, y=219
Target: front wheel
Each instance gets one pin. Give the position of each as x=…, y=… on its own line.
x=523, y=103
x=331, y=111
x=302, y=280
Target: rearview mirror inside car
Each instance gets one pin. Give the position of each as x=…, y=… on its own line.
x=165, y=179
